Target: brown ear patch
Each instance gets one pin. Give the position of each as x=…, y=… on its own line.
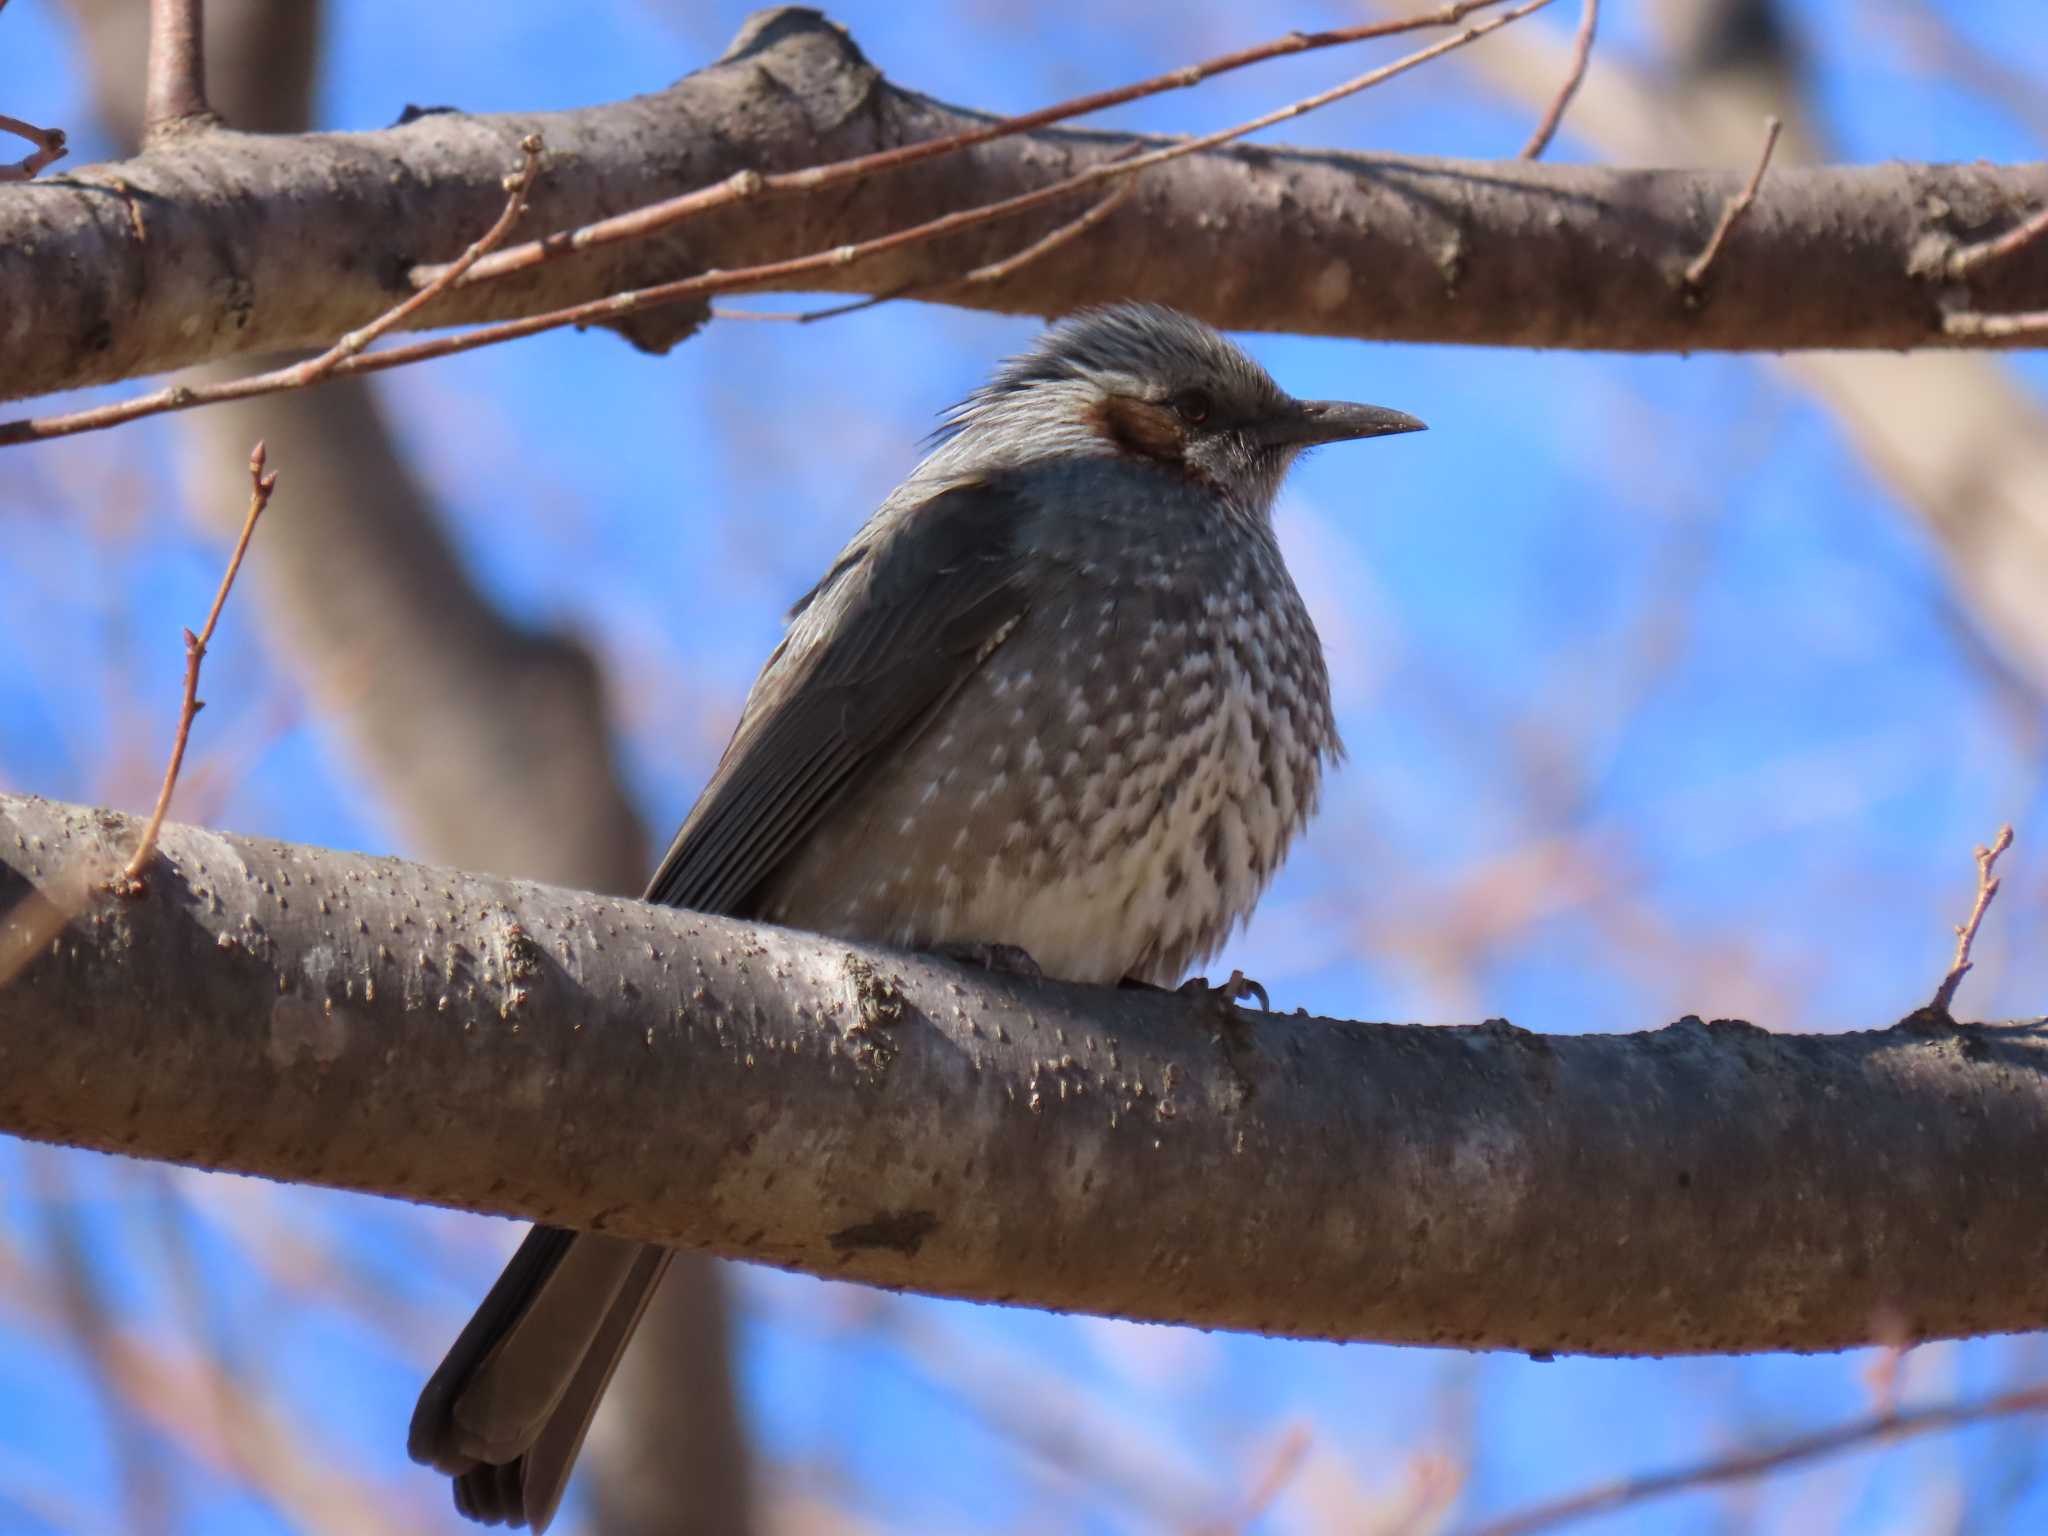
x=1137, y=426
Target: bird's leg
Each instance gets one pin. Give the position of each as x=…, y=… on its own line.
x=1000, y=959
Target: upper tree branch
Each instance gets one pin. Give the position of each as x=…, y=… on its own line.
x=174, y=90
x=876, y=1116
x=220, y=243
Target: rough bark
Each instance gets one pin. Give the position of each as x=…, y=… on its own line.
x=883, y=1117
x=368, y=605
x=223, y=244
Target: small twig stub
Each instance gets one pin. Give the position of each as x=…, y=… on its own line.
x=1966, y=931
x=1997, y=248
x=1733, y=214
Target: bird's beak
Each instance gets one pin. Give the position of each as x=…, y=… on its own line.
x=1308, y=422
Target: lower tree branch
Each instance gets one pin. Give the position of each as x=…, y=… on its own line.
x=894, y=1119
x=220, y=244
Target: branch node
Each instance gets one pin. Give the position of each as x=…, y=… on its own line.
x=50, y=145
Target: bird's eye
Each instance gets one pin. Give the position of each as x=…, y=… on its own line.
x=1192, y=406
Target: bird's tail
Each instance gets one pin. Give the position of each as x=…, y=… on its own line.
x=507, y=1410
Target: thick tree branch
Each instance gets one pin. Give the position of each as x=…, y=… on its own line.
x=883, y=1117
x=221, y=243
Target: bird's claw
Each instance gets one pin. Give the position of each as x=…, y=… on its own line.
x=1237, y=989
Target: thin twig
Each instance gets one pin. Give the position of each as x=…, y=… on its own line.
x=996, y=271
x=742, y=186
x=50, y=144
x=992, y=272
x=345, y=356
x=1049, y=1417
x=1280, y=1470
x=1968, y=322
x=1747, y=1464
x=145, y=1492
x=260, y=487
x=1966, y=932
x=1971, y=257
x=1932, y=44
x=1696, y=274
x=635, y=301
x=1582, y=53
x=175, y=90
x=518, y=191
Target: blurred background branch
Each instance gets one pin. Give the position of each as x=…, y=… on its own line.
x=489, y=741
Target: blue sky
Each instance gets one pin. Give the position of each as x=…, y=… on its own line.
x=1776, y=821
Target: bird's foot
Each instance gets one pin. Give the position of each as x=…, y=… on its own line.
x=1239, y=988
x=1000, y=959
x=1233, y=1027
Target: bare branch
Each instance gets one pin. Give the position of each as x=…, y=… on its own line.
x=1696, y=274
x=312, y=230
x=1878, y=1429
x=1966, y=931
x=50, y=146
x=346, y=356
x=175, y=94
x=260, y=487
x=336, y=361
x=743, y=1089
x=750, y=184
x=1582, y=54
x=1119, y=165
x=993, y=272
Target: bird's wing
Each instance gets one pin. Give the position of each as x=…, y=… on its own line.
x=878, y=648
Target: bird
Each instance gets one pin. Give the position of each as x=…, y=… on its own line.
x=1057, y=699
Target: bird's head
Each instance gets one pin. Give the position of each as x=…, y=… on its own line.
x=1152, y=386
